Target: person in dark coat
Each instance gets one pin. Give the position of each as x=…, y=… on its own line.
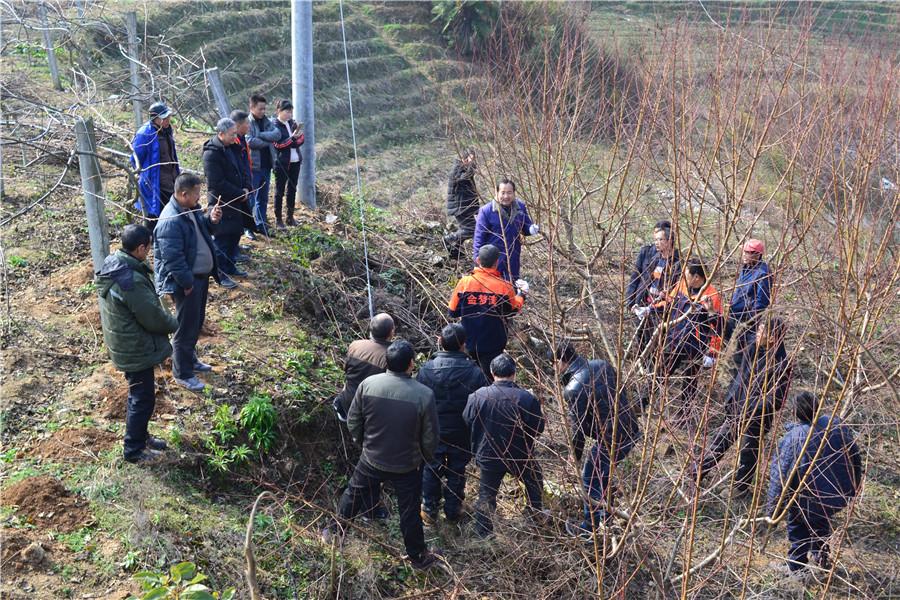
x=288, y=160
x=185, y=259
x=601, y=411
x=504, y=420
x=261, y=138
x=242, y=128
x=751, y=297
x=656, y=271
x=364, y=359
x=462, y=202
x=754, y=396
x=394, y=419
x=483, y=301
x=452, y=376
x=136, y=330
x=815, y=471
x=154, y=152
x=502, y=223
x=226, y=183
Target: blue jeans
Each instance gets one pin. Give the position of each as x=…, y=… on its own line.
x=449, y=464
x=227, y=246
x=261, y=180
x=141, y=401
x=595, y=478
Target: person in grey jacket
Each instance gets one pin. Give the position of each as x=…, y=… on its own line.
x=135, y=330
x=395, y=420
x=261, y=138
x=185, y=258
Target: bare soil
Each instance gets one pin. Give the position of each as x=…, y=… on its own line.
x=74, y=445
x=21, y=553
x=47, y=504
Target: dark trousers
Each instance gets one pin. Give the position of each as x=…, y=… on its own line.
x=465, y=230
x=595, y=479
x=151, y=220
x=685, y=363
x=745, y=338
x=754, y=430
x=141, y=401
x=484, y=360
x=190, y=311
x=531, y=477
x=261, y=181
x=446, y=476
x=365, y=489
x=807, y=534
x=286, y=177
x=227, y=246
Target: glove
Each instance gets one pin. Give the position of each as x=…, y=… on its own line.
x=533, y=230
x=522, y=286
x=708, y=362
x=641, y=312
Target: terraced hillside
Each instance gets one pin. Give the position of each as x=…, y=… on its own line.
x=400, y=69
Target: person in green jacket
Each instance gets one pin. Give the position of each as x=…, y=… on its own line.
x=136, y=330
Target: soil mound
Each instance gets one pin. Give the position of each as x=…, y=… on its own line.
x=114, y=407
x=104, y=385
x=74, y=445
x=47, y=503
x=20, y=553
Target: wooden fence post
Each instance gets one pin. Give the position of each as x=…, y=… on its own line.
x=94, y=198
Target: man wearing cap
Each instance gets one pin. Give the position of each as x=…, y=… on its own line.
x=752, y=294
x=153, y=152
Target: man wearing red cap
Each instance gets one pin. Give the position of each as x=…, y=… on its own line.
x=752, y=294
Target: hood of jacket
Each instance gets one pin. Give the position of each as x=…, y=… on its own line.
x=118, y=269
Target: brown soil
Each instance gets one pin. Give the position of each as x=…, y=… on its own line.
x=74, y=445
x=47, y=503
x=104, y=385
x=20, y=553
x=73, y=277
x=113, y=408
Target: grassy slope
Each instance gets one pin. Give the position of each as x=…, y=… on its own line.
x=267, y=337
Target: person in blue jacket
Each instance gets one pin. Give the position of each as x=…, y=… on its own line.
x=596, y=410
x=502, y=223
x=815, y=471
x=153, y=152
x=752, y=295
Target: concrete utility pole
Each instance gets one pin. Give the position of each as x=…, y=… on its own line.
x=131, y=24
x=218, y=90
x=48, y=46
x=94, y=199
x=302, y=71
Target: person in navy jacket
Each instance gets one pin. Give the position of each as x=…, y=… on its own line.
x=501, y=223
x=815, y=472
x=752, y=295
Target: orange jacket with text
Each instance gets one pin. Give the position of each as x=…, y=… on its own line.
x=710, y=294
x=483, y=301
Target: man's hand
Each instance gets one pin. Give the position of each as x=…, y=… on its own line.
x=708, y=362
x=640, y=312
x=533, y=230
x=522, y=287
x=215, y=215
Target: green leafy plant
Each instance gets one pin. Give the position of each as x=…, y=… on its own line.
x=258, y=418
x=466, y=24
x=182, y=582
x=16, y=261
x=308, y=244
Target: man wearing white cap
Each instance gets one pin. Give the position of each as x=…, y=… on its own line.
x=153, y=152
x=752, y=295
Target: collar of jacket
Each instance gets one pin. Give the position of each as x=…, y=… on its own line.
x=133, y=262
x=578, y=364
x=398, y=374
x=451, y=354
x=513, y=208
x=486, y=271
x=499, y=383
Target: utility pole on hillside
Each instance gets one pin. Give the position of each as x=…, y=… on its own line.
x=131, y=25
x=92, y=184
x=218, y=91
x=48, y=46
x=302, y=92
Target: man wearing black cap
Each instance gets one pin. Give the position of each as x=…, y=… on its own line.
x=155, y=155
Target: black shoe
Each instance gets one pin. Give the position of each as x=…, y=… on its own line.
x=227, y=282
x=146, y=456
x=279, y=224
x=424, y=561
x=202, y=367
x=155, y=443
x=291, y=222
x=241, y=258
x=239, y=273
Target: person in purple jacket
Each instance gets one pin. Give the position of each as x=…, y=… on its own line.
x=501, y=223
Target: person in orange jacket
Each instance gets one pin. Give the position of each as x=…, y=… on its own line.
x=693, y=339
x=483, y=301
